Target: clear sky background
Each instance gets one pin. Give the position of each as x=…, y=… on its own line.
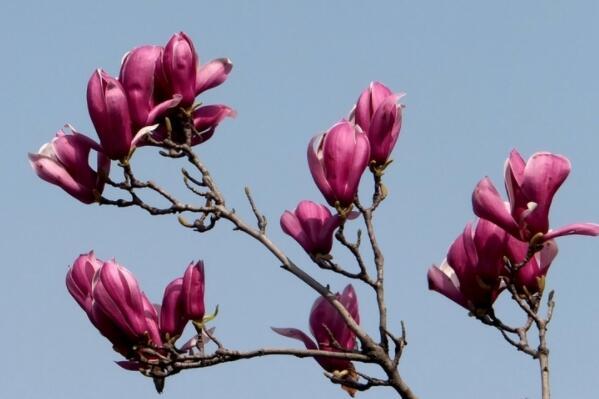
x=481, y=79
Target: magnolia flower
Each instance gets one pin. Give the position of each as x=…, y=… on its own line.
x=109, y=111
x=162, y=83
x=64, y=162
x=378, y=113
x=192, y=292
x=327, y=327
x=531, y=186
x=470, y=275
x=172, y=321
x=337, y=160
x=312, y=226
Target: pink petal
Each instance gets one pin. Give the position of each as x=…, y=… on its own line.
x=487, y=204
x=462, y=256
x=137, y=76
x=73, y=153
x=192, y=294
x=212, y=74
x=52, y=172
x=172, y=321
x=118, y=294
x=312, y=217
x=547, y=254
x=296, y=334
x=160, y=109
x=514, y=174
x=384, y=130
x=358, y=165
x=584, y=229
x=151, y=319
x=490, y=241
x=439, y=281
x=338, y=153
x=292, y=227
x=207, y=118
x=344, y=334
x=315, y=163
x=543, y=175
x=179, y=63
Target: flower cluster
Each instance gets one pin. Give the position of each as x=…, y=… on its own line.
x=512, y=241
x=337, y=160
x=151, y=100
x=113, y=301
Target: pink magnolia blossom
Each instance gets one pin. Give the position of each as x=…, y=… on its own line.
x=110, y=296
x=326, y=321
x=379, y=115
x=192, y=292
x=531, y=186
x=109, y=111
x=64, y=162
x=337, y=160
x=161, y=82
x=312, y=225
x=172, y=321
x=470, y=275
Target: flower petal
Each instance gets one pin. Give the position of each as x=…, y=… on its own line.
x=212, y=74
x=543, y=175
x=296, y=334
x=487, y=204
x=584, y=229
x=439, y=280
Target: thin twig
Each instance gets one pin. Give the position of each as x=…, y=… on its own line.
x=260, y=218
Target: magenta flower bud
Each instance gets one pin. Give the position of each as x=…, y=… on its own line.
x=530, y=278
x=192, y=292
x=116, y=295
x=212, y=74
x=172, y=321
x=137, y=76
x=337, y=160
x=109, y=112
x=379, y=115
x=531, y=186
x=180, y=67
x=79, y=279
x=64, y=162
x=312, y=226
x=326, y=321
x=470, y=275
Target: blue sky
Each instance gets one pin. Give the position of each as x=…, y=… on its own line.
x=481, y=79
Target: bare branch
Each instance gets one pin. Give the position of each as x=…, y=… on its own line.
x=260, y=218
